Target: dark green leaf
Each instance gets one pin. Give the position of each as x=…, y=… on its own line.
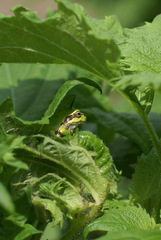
x=27, y=232
x=128, y=125
x=146, y=183
x=6, y=200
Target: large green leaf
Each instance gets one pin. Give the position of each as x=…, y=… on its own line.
x=141, y=49
x=141, y=52
x=70, y=36
x=135, y=234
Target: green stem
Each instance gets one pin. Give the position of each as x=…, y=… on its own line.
x=153, y=135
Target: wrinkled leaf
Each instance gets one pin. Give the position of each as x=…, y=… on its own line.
x=75, y=179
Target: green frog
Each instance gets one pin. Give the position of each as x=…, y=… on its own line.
x=70, y=122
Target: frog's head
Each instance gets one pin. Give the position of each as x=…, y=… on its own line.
x=74, y=119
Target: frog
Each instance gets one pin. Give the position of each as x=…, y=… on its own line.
x=70, y=122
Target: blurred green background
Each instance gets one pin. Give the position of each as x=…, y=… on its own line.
x=131, y=13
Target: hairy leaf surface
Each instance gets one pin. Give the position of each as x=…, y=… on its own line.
x=141, y=49
x=121, y=217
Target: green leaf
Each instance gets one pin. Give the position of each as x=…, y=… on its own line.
x=148, y=171
x=13, y=125
x=5, y=199
x=7, y=152
x=75, y=159
x=128, y=125
x=102, y=156
x=134, y=234
x=27, y=232
x=44, y=205
x=17, y=219
x=140, y=99
x=141, y=48
x=52, y=40
x=15, y=227
x=123, y=217
x=60, y=97
x=146, y=183
x=145, y=80
x=32, y=86
x=137, y=91
x=125, y=154
x=141, y=53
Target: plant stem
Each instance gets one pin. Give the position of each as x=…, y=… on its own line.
x=153, y=135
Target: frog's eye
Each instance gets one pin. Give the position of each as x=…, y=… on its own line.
x=78, y=114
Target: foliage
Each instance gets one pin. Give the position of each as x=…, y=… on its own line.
x=67, y=187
